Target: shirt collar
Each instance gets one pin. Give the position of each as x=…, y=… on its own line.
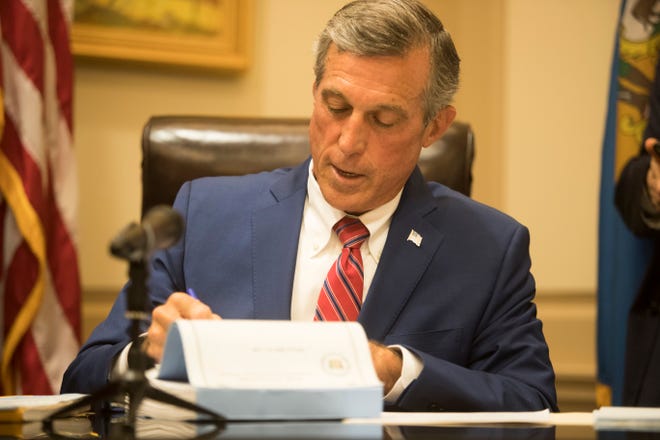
x=322, y=217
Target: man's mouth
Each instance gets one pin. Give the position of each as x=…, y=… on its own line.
x=344, y=173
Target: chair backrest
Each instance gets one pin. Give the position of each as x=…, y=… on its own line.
x=180, y=148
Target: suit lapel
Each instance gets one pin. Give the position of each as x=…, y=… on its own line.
x=411, y=243
x=276, y=229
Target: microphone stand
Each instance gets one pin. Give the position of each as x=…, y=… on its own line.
x=133, y=386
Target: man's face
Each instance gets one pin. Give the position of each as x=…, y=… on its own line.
x=367, y=127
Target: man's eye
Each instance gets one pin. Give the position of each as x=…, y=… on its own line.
x=337, y=110
x=387, y=123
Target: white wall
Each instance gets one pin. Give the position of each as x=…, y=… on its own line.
x=557, y=62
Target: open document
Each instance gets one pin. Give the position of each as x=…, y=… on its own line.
x=268, y=370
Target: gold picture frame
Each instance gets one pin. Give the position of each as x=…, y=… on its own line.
x=211, y=34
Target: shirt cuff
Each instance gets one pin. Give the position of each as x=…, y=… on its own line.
x=411, y=368
x=120, y=366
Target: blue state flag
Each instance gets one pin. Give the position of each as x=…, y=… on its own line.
x=622, y=257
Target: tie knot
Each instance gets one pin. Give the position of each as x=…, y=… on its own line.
x=351, y=232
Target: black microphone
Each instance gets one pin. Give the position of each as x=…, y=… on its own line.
x=161, y=227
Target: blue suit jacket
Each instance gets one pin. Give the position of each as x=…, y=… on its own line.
x=462, y=300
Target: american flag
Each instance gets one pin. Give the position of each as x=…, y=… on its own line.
x=39, y=281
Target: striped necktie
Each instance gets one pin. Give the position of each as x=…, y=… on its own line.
x=341, y=295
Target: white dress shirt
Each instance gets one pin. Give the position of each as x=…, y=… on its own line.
x=318, y=249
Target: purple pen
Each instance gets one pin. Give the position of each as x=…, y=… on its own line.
x=192, y=293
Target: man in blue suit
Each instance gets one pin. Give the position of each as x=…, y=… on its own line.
x=448, y=292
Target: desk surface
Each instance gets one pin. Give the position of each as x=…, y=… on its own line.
x=324, y=430
x=159, y=429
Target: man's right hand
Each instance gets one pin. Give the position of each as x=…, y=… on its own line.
x=653, y=174
x=179, y=305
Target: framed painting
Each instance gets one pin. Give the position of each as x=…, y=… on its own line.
x=212, y=34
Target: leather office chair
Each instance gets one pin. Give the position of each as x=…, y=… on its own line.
x=180, y=148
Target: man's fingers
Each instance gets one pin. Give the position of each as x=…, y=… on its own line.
x=179, y=305
x=153, y=345
x=189, y=307
x=387, y=363
x=653, y=181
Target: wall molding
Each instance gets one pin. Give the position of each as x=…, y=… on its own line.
x=569, y=325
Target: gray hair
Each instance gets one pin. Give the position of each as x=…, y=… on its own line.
x=393, y=28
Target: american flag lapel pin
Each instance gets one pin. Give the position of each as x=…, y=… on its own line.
x=415, y=238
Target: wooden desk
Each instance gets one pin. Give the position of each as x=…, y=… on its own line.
x=110, y=428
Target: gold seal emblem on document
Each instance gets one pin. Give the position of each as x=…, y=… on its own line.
x=335, y=364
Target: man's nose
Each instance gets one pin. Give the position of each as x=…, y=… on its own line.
x=353, y=136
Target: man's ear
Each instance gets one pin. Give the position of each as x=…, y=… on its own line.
x=438, y=125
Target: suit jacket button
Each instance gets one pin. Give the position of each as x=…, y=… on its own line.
x=433, y=407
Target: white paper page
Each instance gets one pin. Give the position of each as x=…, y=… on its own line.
x=38, y=401
x=276, y=354
x=456, y=418
x=36, y=407
x=627, y=417
x=623, y=413
x=160, y=410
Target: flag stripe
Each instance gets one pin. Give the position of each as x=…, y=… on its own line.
x=54, y=342
x=22, y=34
x=23, y=106
x=19, y=282
x=63, y=265
x=31, y=361
x=3, y=211
x=28, y=173
x=59, y=38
